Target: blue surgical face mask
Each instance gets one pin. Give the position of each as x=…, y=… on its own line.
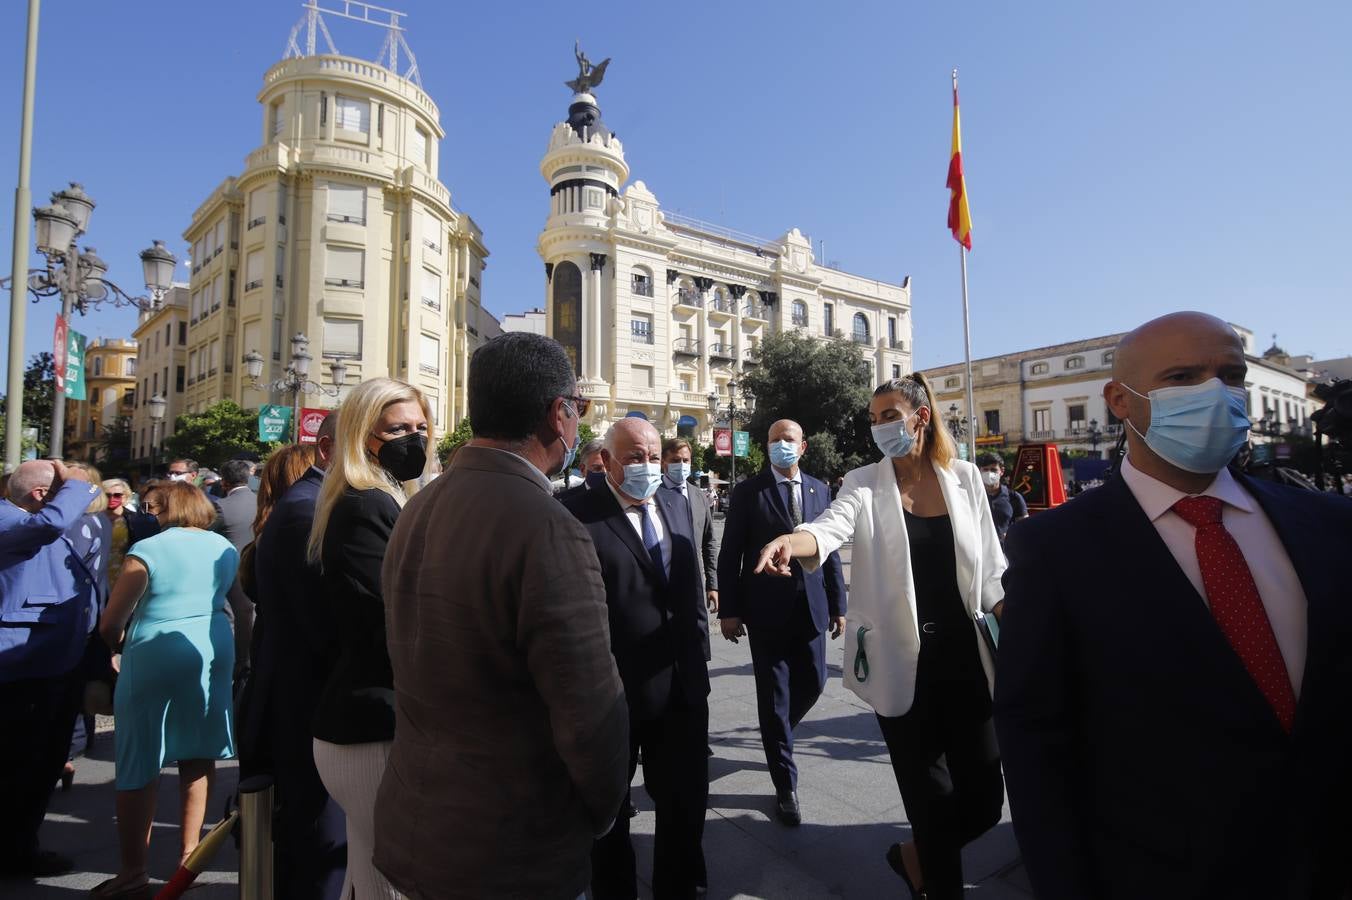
x=677, y=472
x=570, y=453
x=641, y=480
x=1197, y=427
x=893, y=439
x=784, y=454
x=595, y=479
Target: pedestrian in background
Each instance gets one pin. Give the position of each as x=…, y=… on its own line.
x=380, y=446
x=926, y=566
x=167, y=618
x=237, y=507
x=677, y=476
x=90, y=537
x=1007, y=506
x=126, y=526
x=47, y=604
x=511, y=747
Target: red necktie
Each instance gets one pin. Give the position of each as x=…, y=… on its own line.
x=1236, y=605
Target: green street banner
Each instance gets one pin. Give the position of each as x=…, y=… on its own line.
x=741, y=443
x=274, y=423
x=75, y=367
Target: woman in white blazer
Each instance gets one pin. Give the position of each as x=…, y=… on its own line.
x=926, y=566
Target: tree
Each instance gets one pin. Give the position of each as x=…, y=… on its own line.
x=114, y=444
x=750, y=464
x=824, y=386
x=453, y=440
x=39, y=395
x=216, y=434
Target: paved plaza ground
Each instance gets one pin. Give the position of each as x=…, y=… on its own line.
x=851, y=811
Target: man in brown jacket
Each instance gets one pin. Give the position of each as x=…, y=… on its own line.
x=511, y=746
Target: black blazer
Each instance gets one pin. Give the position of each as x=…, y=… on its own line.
x=140, y=526
x=1141, y=759
x=659, y=628
x=357, y=704
x=758, y=515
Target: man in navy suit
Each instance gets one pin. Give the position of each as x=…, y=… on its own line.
x=659, y=634
x=48, y=603
x=787, y=617
x=294, y=624
x=1173, y=683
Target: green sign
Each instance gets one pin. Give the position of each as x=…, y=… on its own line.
x=741, y=443
x=274, y=423
x=75, y=368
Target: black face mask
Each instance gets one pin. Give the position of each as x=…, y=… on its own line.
x=404, y=457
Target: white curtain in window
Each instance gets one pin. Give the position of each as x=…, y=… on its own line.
x=347, y=202
x=354, y=115
x=342, y=337
x=419, y=151
x=250, y=339
x=430, y=353
x=431, y=286
x=255, y=203
x=253, y=267
x=344, y=263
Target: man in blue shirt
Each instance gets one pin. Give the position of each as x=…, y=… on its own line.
x=1006, y=506
x=48, y=603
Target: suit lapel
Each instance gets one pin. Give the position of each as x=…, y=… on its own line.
x=960, y=518
x=618, y=522
x=772, y=488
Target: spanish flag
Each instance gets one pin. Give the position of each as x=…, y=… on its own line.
x=959, y=216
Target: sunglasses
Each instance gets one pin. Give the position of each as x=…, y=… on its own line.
x=118, y=494
x=581, y=404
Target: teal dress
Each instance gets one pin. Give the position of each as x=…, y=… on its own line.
x=173, y=699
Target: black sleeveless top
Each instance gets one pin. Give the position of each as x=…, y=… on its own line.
x=934, y=568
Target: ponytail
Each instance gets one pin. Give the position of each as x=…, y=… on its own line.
x=937, y=444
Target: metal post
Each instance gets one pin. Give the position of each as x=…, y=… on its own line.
x=18, y=286
x=70, y=269
x=732, y=425
x=295, y=412
x=967, y=341
x=255, y=838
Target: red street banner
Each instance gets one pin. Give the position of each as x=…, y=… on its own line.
x=59, y=353
x=723, y=441
x=310, y=420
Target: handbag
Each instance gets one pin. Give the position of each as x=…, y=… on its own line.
x=989, y=626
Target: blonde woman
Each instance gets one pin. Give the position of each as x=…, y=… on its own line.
x=380, y=446
x=927, y=565
x=126, y=526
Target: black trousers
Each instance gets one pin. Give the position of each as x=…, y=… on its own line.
x=310, y=831
x=945, y=758
x=790, y=668
x=38, y=716
x=676, y=776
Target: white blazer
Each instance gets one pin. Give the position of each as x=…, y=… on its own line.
x=882, y=591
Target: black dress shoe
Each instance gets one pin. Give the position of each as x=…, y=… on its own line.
x=786, y=807
x=899, y=866
x=38, y=864
x=629, y=810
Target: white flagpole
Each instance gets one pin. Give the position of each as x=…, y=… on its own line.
x=970, y=424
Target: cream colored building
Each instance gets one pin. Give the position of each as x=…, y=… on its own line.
x=659, y=310
x=338, y=228
x=162, y=342
x=110, y=393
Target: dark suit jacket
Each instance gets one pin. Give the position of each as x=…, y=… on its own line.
x=758, y=515
x=236, y=513
x=659, y=627
x=512, y=746
x=294, y=632
x=1141, y=759
x=702, y=521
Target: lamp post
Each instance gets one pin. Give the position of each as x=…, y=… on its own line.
x=748, y=404
x=294, y=378
x=1095, y=434
x=156, y=406
x=77, y=276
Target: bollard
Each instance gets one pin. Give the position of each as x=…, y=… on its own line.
x=255, y=838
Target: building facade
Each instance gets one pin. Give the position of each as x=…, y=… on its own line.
x=658, y=311
x=532, y=321
x=1055, y=394
x=339, y=229
x=110, y=398
x=162, y=367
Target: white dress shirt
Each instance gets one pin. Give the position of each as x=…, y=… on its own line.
x=678, y=486
x=796, y=485
x=1278, y=585
x=634, y=514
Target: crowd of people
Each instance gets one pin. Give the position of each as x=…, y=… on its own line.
x=454, y=683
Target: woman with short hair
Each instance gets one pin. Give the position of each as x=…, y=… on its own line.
x=379, y=453
x=167, y=616
x=126, y=526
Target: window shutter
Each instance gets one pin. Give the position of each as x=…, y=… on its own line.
x=430, y=354
x=344, y=265
x=342, y=337
x=431, y=286
x=253, y=267
x=419, y=153
x=347, y=203
x=354, y=115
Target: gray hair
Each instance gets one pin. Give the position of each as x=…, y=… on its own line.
x=592, y=446
x=30, y=475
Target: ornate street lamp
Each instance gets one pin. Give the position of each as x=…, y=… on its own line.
x=1095, y=434
x=156, y=406
x=294, y=378
x=748, y=404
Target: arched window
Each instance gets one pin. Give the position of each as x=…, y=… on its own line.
x=641, y=281
x=799, y=313
x=567, y=285
x=952, y=382
x=1075, y=362
x=1108, y=357
x=1040, y=368
x=98, y=365
x=860, y=333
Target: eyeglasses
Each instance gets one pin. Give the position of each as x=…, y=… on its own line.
x=118, y=494
x=581, y=404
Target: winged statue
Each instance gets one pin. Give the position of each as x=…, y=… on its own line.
x=588, y=76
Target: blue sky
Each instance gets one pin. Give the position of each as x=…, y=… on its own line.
x=1122, y=161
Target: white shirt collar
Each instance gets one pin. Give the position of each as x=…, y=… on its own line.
x=626, y=503
x=781, y=478
x=1157, y=498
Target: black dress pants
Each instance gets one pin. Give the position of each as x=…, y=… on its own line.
x=945, y=758
x=38, y=716
x=789, y=663
x=676, y=776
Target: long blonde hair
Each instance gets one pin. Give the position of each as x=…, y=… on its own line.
x=937, y=444
x=352, y=465
x=100, y=501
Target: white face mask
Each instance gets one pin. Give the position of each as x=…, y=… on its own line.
x=180, y=476
x=990, y=478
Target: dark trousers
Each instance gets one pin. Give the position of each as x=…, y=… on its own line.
x=38, y=716
x=946, y=761
x=310, y=840
x=790, y=668
x=676, y=776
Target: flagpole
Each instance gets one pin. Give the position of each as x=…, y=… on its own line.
x=967, y=341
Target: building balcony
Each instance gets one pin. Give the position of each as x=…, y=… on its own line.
x=432, y=303
x=1047, y=435
x=690, y=400
x=689, y=297
x=641, y=287
x=641, y=337
x=253, y=285
x=685, y=347
x=753, y=359
x=758, y=311
x=858, y=338
x=722, y=351
x=344, y=282
x=799, y=321
x=722, y=309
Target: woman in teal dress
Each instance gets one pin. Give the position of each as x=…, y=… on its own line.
x=173, y=702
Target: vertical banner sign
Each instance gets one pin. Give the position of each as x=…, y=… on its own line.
x=59, y=353
x=722, y=442
x=274, y=422
x=741, y=443
x=310, y=420
x=75, y=368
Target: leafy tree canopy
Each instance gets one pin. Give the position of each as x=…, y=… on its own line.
x=453, y=440
x=216, y=434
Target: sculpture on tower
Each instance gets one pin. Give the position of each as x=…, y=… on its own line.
x=588, y=76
